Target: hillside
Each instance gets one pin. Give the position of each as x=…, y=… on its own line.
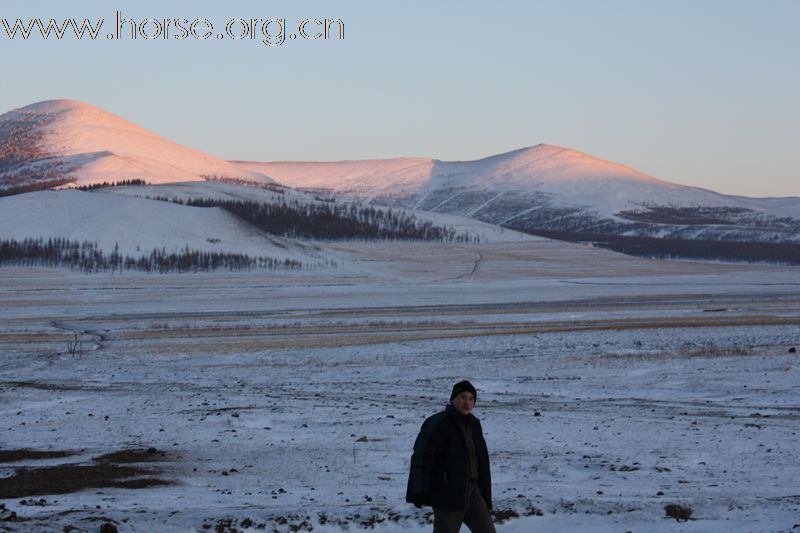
x=135, y=227
x=60, y=142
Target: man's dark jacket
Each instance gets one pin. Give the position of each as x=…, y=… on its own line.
x=439, y=474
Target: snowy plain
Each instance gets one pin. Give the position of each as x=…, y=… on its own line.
x=609, y=387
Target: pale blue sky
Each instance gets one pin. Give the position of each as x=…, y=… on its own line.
x=701, y=92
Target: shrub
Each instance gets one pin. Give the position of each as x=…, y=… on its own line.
x=681, y=513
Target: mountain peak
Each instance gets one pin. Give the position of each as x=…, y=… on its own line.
x=83, y=144
x=539, y=165
x=57, y=106
x=64, y=114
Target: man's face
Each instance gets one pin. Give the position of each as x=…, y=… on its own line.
x=464, y=402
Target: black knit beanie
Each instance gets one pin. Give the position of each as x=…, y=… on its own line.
x=463, y=386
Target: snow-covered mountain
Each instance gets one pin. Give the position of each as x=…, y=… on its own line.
x=65, y=141
x=541, y=189
x=548, y=188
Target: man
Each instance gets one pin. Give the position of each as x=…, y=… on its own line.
x=450, y=467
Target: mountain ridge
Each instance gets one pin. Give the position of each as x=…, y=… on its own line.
x=545, y=169
x=535, y=189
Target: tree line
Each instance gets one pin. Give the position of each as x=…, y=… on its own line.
x=88, y=257
x=120, y=183
x=21, y=140
x=267, y=186
x=35, y=186
x=24, y=165
x=332, y=221
x=665, y=248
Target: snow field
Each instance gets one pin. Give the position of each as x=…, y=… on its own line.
x=276, y=398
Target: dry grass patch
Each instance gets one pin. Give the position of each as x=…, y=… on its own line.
x=110, y=470
x=24, y=454
x=64, y=479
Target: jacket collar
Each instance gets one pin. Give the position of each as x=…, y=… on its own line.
x=458, y=417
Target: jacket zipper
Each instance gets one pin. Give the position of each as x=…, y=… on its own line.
x=466, y=491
